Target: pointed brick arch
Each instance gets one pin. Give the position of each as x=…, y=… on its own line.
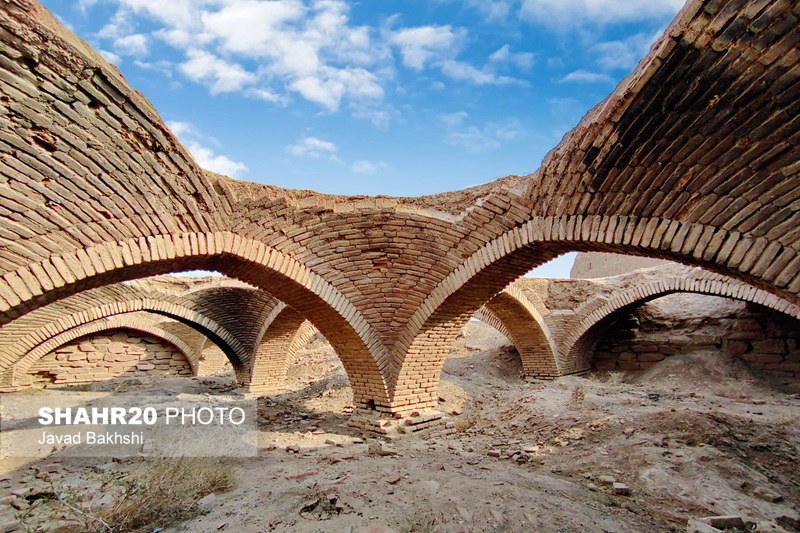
x=20, y=340
x=128, y=321
x=526, y=328
x=252, y=262
x=285, y=333
x=693, y=157
x=578, y=345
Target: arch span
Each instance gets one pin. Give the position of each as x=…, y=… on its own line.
x=525, y=327
x=579, y=343
x=20, y=340
x=693, y=157
x=256, y=264
x=126, y=321
x=285, y=332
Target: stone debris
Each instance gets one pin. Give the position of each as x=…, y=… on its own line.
x=767, y=494
x=621, y=489
x=723, y=522
x=206, y=503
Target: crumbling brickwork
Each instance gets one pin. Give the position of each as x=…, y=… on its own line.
x=110, y=355
x=693, y=157
x=763, y=339
x=569, y=317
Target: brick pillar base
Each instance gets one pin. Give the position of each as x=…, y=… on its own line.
x=424, y=423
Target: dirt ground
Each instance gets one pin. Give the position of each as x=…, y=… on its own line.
x=697, y=435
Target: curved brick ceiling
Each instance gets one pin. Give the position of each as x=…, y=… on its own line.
x=694, y=157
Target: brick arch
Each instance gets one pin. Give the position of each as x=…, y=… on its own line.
x=128, y=321
x=24, y=336
x=693, y=158
x=285, y=331
x=578, y=344
x=522, y=323
x=437, y=321
x=491, y=320
x=249, y=261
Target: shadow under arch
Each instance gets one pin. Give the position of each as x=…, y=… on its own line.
x=579, y=345
x=361, y=351
x=424, y=344
x=125, y=321
x=522, y=323
x=27, y=343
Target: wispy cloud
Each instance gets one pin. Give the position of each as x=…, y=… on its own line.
x=483, y=138
x=624, y=53
x=204, y=155
x=220, y=75
x=365, y=166
x=422, y=45
x=504, y=56
x=459, y=71
x=568, y=14
x=313, y=148
x=134, y=44
x=585, y=76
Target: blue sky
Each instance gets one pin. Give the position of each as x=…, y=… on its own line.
x=375, y=97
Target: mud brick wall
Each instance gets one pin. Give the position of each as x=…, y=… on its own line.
x=764, y=339
x=110, y=355
x=214, y=361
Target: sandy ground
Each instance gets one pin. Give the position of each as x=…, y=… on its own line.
x=696, y=435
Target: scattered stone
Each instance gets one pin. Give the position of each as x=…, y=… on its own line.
x=497, y=516
x=695, y=526
x=621, y=489
x=493, y=453
x=606, y=479
x=767, y=494
x=20, y=504
x=385, y=450
x=206, y=503
x=723, y=522
x=9, y=527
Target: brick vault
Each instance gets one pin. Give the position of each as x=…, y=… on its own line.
x=694, y=158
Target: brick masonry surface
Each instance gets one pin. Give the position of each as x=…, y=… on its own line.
x=110, y=355
x=693, y=158
x=764, y=340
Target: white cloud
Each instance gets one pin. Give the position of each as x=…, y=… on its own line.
x=454, y=119
x=313, y=148
x=220, y=75
x=308, y=48
x=162, y=67
x=329, y=85
x=424, y=44
x=266, y=95
x=220, y=164
x=492, y=10
x=367, y=167
x=624, y=54
x=134, y=44
x=504, y=55
x=585, y=76
x=272, y=50
x=459, y=71
x=181, y=129
x=564, y=14
x=111, y=57
x=488, y=137
x=206, y=157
